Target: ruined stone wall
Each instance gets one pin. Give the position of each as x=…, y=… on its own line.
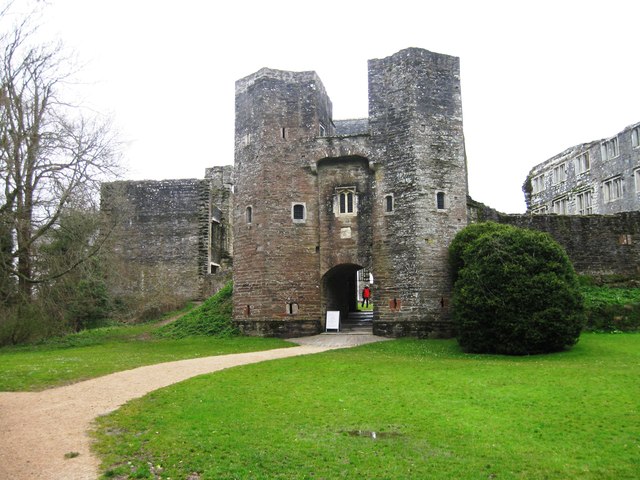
x=158, y=240
x=216, y=232
x=598, y=245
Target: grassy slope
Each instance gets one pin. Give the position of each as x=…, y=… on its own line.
x=92, y=353
x=451, y=415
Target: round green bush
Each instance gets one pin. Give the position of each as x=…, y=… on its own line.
x=515, y=292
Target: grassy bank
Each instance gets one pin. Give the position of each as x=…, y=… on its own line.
x=203, y=331
x=612, y=309
x=436, y=413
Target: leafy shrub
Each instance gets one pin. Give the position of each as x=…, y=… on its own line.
x=212, y=318
x=89, y=305
x=465, y=237
x=27, y=322
x=516, y=292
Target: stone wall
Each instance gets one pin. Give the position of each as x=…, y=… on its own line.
x=598, y=245
x=216, y=232
x=158, y=239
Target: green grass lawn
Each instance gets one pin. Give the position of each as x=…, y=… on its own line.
x=92, y=353
x=437, y=414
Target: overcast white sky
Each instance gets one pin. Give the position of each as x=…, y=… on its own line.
x=537, y=76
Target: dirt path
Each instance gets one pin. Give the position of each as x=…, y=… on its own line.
x=37, y=429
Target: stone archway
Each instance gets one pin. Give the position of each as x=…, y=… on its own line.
x=339, y=289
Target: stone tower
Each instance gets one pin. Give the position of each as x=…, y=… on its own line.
x=415, y=119
x=317, y=201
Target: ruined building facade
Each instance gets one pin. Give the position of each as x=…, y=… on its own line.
x=599, y=177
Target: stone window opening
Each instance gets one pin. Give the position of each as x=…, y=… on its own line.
x=625, y=239
x=635, y=137
x=284, y=133
x=444, y=302
x=537, y=184
x=249, y=214
x=388, y=203
x=292, y=308
x=609, y=149
x=214, y=268
x=559, y=174
x=441, y=201
x=560, y=206
x=322, y=130
x=582, y=163
x=584, y=203
x=636, y=176
x=298, y=212
x=612, y=189
x=346, y=201
x=540, y=210
x=395, y=304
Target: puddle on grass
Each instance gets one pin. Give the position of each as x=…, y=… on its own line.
x=372, y=435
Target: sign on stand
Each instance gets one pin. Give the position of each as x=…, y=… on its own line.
x=333, y=320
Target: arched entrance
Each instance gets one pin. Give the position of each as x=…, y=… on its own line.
x=339, y=289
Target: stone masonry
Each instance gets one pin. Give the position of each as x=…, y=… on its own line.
x=318, y=200
x=599, y=177
x=165, y=229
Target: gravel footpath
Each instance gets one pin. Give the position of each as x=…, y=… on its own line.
x=37, y=429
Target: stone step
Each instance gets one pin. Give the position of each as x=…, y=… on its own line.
x=359, y=316
x=358, y=322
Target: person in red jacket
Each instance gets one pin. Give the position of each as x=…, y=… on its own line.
x=366, y=294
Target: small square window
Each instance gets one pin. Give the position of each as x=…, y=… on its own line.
x=298, y=212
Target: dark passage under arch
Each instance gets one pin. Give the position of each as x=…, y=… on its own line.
x=339, y=289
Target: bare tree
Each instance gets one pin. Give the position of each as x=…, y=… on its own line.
x=52, y=157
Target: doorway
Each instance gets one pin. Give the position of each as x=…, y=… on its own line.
x=339, y=289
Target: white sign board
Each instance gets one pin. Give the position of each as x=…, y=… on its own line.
x=333, y=320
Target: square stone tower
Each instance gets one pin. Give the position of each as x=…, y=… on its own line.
x=317, y=201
